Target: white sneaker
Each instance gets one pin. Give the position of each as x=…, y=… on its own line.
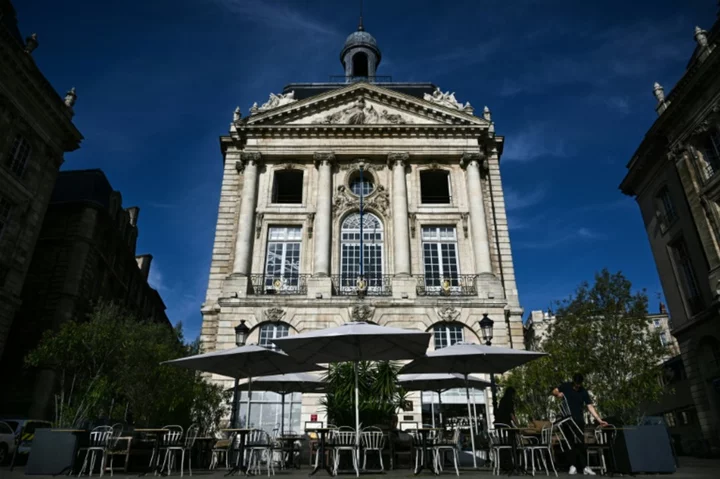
x=589, y=472
x=573, y=471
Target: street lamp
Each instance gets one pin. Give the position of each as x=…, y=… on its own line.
x=241, y=335
x=486, y=327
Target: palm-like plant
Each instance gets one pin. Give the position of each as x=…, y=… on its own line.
x=378, y=391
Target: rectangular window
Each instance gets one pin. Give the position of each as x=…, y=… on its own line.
x=19, y=154
x=282, y=264
x=710, y=151
x=435, y=187
x=686, y=274
x=439, y=245
x=288, y=187
x=670, y=419
x=667, y=205
x=447, y=334
x=271, y=331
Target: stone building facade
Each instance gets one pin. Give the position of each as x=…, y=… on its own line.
x=85, y=252
x=36, y=130
x=436, y=250
x=672, y=176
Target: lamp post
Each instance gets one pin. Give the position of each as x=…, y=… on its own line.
x=486, y=327
x=241, y=335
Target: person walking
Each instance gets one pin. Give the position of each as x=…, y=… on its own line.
x=578, y=399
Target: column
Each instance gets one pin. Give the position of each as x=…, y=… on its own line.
x=401, y=231
x=323, y=214
x=248, y=166
x=481, y=244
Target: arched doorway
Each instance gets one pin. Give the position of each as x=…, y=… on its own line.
x=360, y=65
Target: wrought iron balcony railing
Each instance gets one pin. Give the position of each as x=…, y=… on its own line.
x=348, y=285
x=457, y=285
x=275, y=284
x=353, y=79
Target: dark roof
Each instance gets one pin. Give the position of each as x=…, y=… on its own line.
x=307, y=90
x=82, y=186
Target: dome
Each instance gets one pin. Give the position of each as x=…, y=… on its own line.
x=360, y=39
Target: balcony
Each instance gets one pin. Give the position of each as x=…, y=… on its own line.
x=261, y=284
x=353, y=79
x=345, y=285
x=457, y=285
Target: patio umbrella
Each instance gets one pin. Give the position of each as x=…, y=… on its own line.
x=355, y=341
x=438, y=383
x=466, y=358
x=244, y=362
x=289, y=383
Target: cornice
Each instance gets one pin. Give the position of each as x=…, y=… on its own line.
x=465, y=131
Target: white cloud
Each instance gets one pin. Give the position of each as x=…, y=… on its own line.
x=556, y=238
x=515, y=200
x=534, y=142
x=156, y=280
x=277, y=15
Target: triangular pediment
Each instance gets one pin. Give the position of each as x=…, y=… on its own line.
x=364, y=104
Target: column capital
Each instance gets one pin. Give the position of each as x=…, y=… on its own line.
x=320, y=157
x=247, y=157
x=468, y=157
x=395, y=157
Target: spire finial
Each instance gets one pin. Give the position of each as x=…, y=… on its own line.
x=360, y=25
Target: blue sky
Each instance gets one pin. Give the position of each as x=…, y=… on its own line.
x=569, y=84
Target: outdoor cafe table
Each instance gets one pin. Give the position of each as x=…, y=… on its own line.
x=424, y=432
x=240, y=459
x=320, y=453
x=287, y=442
x=156, y=449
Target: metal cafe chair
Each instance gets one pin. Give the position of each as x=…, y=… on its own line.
x=604, y=438
x=99, y=444
x=372, y=439
x=445, y=445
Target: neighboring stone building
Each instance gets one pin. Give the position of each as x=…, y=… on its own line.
x=35, y=131
x=85, y=252
x=672, y=176
x=287, y=248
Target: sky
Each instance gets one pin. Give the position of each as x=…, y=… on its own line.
x=569, y=84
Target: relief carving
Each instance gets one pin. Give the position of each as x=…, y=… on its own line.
x=448, y=314
x=379, y=200
x=275, y=101
x=274, y=314
x=360, y=114
x=362, y=313
x=447, y=99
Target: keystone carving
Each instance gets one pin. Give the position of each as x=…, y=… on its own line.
x=274, y=314
x=448, y=314
x=362, y=313
x=379, y=200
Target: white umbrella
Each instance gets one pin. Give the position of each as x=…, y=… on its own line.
x=466, y=358
x=355, y=341
x=438, y=383
x=289, y=383
x=244, y=362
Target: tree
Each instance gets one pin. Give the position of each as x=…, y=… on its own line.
x=110, y=367
x=379, y=394
x=603, y=332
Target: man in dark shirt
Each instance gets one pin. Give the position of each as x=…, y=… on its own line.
x=577, y=399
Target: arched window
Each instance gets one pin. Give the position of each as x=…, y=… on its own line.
x=360, y=64
x=372, y=250
x=447, y=334
x=270, y=331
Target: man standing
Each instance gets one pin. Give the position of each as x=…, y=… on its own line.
x=577, y=399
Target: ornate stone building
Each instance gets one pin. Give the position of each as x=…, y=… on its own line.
x=85, y=252
x=673, y=176
x=435, y=251
x=36, y=129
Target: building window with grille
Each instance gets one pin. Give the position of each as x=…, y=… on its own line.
x=271, y=331
x=363, y=186
x=667, y=207
x=282, y=263
x=687, y=277
x=19, y=155
x=709, y=152
x=439, y=246
x=447, y=334
x=372, y=256
x=5, y=211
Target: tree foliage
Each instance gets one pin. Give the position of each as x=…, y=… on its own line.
x=603, y=332
x=110, y=367
x=379, y=394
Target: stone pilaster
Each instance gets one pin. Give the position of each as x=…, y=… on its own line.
x=478, y=224
x=247, y=165
x=323, y=215
x=401, y=229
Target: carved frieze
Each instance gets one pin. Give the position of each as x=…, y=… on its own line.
x=360, y=113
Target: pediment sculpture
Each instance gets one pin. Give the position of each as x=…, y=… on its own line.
x=448, y=99
x=359, y=113
x=275, y=101
x=379, y=200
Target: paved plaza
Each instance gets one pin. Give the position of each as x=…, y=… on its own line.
x=691, y=468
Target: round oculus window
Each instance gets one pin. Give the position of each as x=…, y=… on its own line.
x=363, y=186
